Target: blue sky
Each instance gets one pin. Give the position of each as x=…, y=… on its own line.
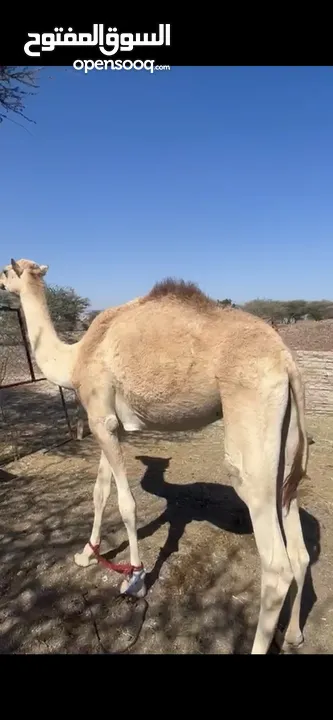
x=223, y=176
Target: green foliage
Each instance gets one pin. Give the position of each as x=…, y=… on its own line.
x=262, y=308
x=290, y=311
x=227, y=302
x=295, y=310
x=66, y=307
x=320, y=309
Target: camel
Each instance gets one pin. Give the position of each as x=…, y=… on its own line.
x=174, y=359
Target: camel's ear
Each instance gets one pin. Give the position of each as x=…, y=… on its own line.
x=43, y=269
x=16, y=268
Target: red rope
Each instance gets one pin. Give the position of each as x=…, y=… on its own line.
x=122, y=568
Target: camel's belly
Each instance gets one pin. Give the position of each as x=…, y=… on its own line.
x=181, y=413
x=130, y=420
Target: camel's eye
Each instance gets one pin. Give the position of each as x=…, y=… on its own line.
x=5, y=272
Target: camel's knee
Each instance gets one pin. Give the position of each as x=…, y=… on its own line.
x=303, y=557
x=127, y=505
x=99, y=423
x=277, y=579
x=234, y=474
x=296, y=548
x=300, y=561
x=229, y=465
x=101, y=492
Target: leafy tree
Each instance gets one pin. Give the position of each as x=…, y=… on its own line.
x=66, y=307
x=227, y=302
x=16, y=84
x=280, y=311
x=263, y=308
x=295, y=310
x=320, y=309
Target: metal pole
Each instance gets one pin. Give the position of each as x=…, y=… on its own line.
x=22, y=382
x=25, y=342
x=66, y=412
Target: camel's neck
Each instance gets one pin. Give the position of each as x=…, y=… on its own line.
x=55, y=358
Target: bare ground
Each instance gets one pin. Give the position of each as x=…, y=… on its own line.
x=308, y=335
x=32, y=418
x=195, y=539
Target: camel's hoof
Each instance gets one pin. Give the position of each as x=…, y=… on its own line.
x=84, y=560
x=289, y=647
x=285, y=645
x=135, y=585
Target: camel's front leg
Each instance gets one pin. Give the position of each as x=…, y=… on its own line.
x=105, y=431
x=101, y=493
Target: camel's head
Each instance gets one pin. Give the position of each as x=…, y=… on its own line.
x=13, y=276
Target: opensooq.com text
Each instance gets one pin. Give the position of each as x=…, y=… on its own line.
x=148, y=65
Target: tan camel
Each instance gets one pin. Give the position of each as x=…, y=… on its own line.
x=176, y=360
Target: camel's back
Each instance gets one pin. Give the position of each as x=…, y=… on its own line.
x=160, y=340
x=176, y=331
x=167, y=328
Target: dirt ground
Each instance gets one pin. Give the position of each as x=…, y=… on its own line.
x=195, y=540
x=308, y=335
x=32, y=417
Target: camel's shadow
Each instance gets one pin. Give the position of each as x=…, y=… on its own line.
x=215, y=503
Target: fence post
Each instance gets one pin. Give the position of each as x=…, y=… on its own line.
x=66, y=412
x=26, y=344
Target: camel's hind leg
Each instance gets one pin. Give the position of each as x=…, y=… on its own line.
x=296, y=549
x=253, y=425
x=299, y=560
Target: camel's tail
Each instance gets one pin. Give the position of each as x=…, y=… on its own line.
x=300, y=464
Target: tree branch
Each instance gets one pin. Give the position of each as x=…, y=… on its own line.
x=13, y=93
